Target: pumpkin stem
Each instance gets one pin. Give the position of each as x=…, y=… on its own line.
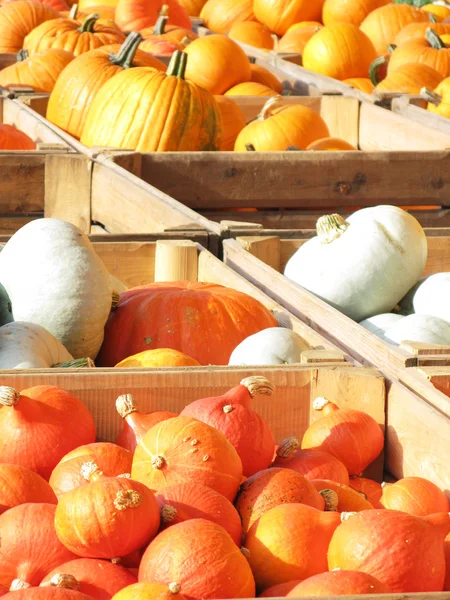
x=128, y=499
x=62, y=580
x=330, y=227
x=19, y=584
x=73, y=11
x=373, y=69
x=174, y=587
x=431, y=96
x=116, y=560
x=124, y=476
x=158, y=462
x=245, y=552
x=288, y=447
x=275, y=42
x=250, y=148
x=164, y=10
x=186, y=41
x=115, y=296
x=268, y=106
x=8, y=396
x=227, y=409
x=331, y=499
x=168, y=513
x=320, y=403
x=434, y=40
x=90, y=471
x=258, y=386
x=391, y=48
x=160, y=25
x=88, y=24
x=76, y=363
x=177, y=64
x=22, y=55
x=432, y=18
x=125, y=405
x=124, y=58
x=347, y=515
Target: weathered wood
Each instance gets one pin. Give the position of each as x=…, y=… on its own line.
x=266, y=249
x=22, y=177
x=176, y=261
x=404, y=107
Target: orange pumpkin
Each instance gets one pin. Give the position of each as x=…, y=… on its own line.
x=360, y=83
x=160, y=47
x=371, y=490
x=447, y=563
x=415, y=496
x=331, y=144
x=272, y=487
x=295, y=40
x=20, y=486
x=202, y=558
x=150, y=591
x=173, y=315
x=170, y=33
x=262, y=75
x=183, y=449
x=279, y=591
x=251, y=89
x=106, y=12
x=349, y=11
x=134, y=15
x=57, y=5
x=305, y=24
x=252, y=33
x=410, y=78
x=439, y=99
x=429, y=50
x=220, y=15
x=14, y=139
x=338, y=583
x=18, y=19
x=161, y=357
x=192, y=7
x=344, y=499
x=46, y=593
x=341, y=51
x=280, y=543
x=279, y=15
x=418, y=31
x=438, y=11
x=233, y=121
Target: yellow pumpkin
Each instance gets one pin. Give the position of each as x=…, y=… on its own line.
x=260, y=74
x=439, y=11
x=363, y=84
x=252, y=33
x=439, y=99
x=251, y=89
x=220, y=15
x=161, y=357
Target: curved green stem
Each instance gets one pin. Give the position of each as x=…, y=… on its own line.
x=433, y=18
x=22, y=55
x=88, y=24
x=391, y=48
x=160, y=25
x=250, y=148
x=124, y=58
x=434, y=40
x=73, y=11
x=431, y=96
x=177, y=64
x=373, y=69
x=76, y=363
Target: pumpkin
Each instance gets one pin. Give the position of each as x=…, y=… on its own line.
x=429, y=298
x=252, y=33
x=344, y=499
x=338, y=583
x=46, y=593
x=20, y=486
x=272, y=346
x=340, y=50
x=418, y=31
x=112, y=459
x=370, y=489
x=217, y=63
x=280, y=542
x=415, y=496
x=260, y=74
x=136, y=424
x=349, y=11
x=272, y=487
x=73, y=309
x=394, y=235
x=352, y=436
x=277, y=129
x=99, y=579
x=232, y=414
x=18, y=19
x=160, y=47
x=29, y=548
x=251, y=89
x=379, y=324
x=447, y=562
x=134, y=15
x=189, y=316
x=366, y=541
x=160, y=357
x=279, y=15
x=109, y=518
x=311, y=463
x=183, y=449
x=305, y=24
x=106, y=12
x=280, y=590
x=429, y=50
x=410, y=78
x=220, y=15
x=39, y=72
x=45, y=418
x=294, y=41
x=57, y=5
x=420, y=328
x=150, y=591
x=202, y=558
x=331, y=144
x=190, y=500
x=233, y=121
x=85, y=77
x=171, y=33
x=72, y=35
x=360, y=83
x=179, y=115
x=14, y=139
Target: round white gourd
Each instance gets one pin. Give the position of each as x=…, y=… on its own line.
x=420, y=328
x=272, y=346
x=406, y=303
x=54, y=278
x=432, y=297
x=362, y=266
x=29, y=346
x=379, y=324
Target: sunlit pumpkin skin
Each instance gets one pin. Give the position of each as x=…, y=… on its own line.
x=220, y=15
x=192, y=7
x=179, y=115
x=441, y=106
x=150, y=591
x=18, y=19
x=341, y=51
x=99, y=579
x=108, y=518
x=202, y=558
x=262, y=75
x=161, y=357
x=338, y=583
x=183, y=449
x=279, y=15
x=348, y=499
x=271, y=487
x=278, y=128
x=331, y=144
x=410, y=78
x=447, y=563
x=418, y=30
x=71, y=35
x=367, y=541
x=160, y=47
x=383, y=24
x=134, y=15
x=280, y=590
x=101, y=7
x=415, y=496
x=435, y=54
x=251, y=89
x=349, y=11
x=173, y=315
x=46, y=593
x=193, y=501
x=360, y=83
x=233, y=121
x=39, y=72
x=20, y=486
x=44, y=417
x=252, y=33
x=14, y=139
x=29, y=548
x=84, y=78
x=295, y=40
x=112, y=459
x=57, y=5
x=171, y=33
x=311, y=463
x=370, y=489
x=232, y=414
x=439, y=12
x=280, y=543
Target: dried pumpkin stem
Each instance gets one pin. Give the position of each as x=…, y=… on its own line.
x=158, y=462
x=125, y=405
x=22, y=55
x=164, y=11
x=331, y=499
x=174, y=587
x=373, y=69
x=76, y=363
x=73, y=11
x=268, y=107
x=227, y=409
x=177, y=64
x=391, y=48
x=115, y=300
x=288, y=447
x=160, y=25
x=8, y=396
x=168, y=513
x=432, y=18
x=88, y=24
x=434, y=40
x=330, y=227
x=258, y=386
x=124, y=58
x=245, y=552
x=19, y=584
x=347, y=515
x=62, y=580
x=90, y=471
x=124, y=476
x=431, y=96
x=128, y=499
x=320, y=403
x=250, y=148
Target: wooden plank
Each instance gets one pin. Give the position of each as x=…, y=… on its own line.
x=322, y=356
x=266, y=249
x=341, y=114
x=9, y=224
x=403, y=106
x=131, y=262
x=176, y=261
x=22, y=177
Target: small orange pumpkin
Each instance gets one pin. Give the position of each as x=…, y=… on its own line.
x=220, y=15
x=344, y=499
x=338, y=583
x=252, y=33
x=370, y=489
x=418, y=31
x=233, y=121
x=150, y=591
x=14, y=139
x=360, y=83
x=415, y=496
x=251, y=89
x=295, y=40
x=331, y=144
x=349, y=11
x=262, y=75
x=18, y=19
x=279, y=15
x=160, y=357
x=430, y=50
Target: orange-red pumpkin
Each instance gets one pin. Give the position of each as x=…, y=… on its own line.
x=253, y=33
x=57, y=5
x=370, y=489
x=279, y=591
x=345, y=498
x=20, y=486
x=331, y=144
x=279, y=15
x=220, y=15
x=414, y=495
x=150, y=591
x=46, y=593
x=338, y=583
x=233, y=121
x=14, y=139
x=18, y=19
x=134, y=15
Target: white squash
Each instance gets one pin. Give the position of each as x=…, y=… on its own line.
x=362, y=266
x=55, y=279
x=432, y=297
x=379, y=324
x=420, y=328
x=272, y=346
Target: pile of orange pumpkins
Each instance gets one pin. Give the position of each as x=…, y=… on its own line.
x=204, y=504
